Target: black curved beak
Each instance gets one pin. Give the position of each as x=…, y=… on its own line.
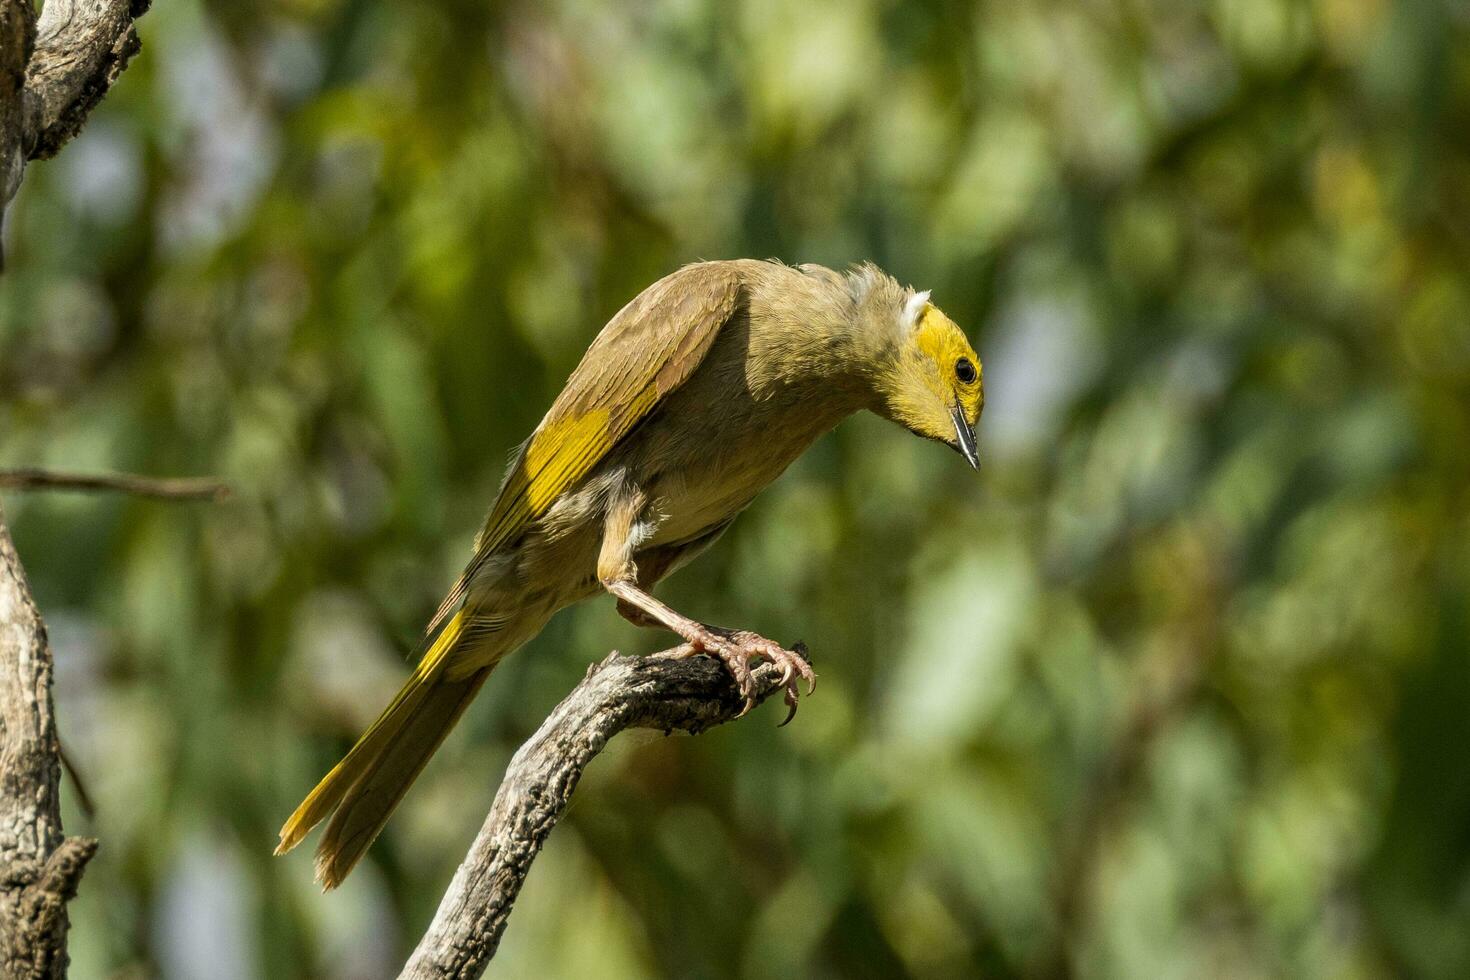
x=965, y=436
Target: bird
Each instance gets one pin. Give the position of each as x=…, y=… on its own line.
x=692, y=399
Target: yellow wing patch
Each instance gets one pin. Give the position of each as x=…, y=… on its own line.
x=552, y=459
x=555, y=452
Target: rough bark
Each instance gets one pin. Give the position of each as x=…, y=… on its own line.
x=661, y=692
x=17, y=44
x=53, y=71
x=39, y=866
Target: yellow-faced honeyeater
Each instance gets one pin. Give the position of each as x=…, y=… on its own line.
x=698, y=394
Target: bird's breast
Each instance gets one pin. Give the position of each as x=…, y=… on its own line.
x=702, y=482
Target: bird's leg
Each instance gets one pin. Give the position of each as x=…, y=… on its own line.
x=651, y=566
x=734, y=648
x=698, y=637
x=625, y=529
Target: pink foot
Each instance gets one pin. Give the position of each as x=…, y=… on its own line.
x=736, y=648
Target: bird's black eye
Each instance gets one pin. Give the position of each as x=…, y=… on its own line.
x=965, y=371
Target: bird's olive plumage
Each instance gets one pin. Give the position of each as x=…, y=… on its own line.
x=692, y=399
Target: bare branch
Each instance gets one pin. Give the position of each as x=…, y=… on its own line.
x=53, y=71
x=163, y=488
x=664, y=692
x=39, y=867
x=82, y=46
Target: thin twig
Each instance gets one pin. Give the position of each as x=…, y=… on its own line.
x=660, y=692
x=162, y=488
x=84, y=796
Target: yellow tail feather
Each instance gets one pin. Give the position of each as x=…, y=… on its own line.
x=367, y=784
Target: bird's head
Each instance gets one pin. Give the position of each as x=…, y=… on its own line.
x=931, y=383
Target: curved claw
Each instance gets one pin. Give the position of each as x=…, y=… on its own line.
x=791, y=703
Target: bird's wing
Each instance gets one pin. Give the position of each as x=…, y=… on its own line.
x=645, y=352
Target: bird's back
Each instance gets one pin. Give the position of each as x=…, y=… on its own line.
x=757, y=402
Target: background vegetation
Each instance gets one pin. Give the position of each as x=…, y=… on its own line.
x=1177, y=687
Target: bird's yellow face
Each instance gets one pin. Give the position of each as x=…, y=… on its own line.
x=934, y=386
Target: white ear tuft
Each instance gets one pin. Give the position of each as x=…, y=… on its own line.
x=913, y=308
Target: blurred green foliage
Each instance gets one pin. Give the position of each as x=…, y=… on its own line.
x=1177, y=688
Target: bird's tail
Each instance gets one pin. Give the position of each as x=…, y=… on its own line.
x=362, y=790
